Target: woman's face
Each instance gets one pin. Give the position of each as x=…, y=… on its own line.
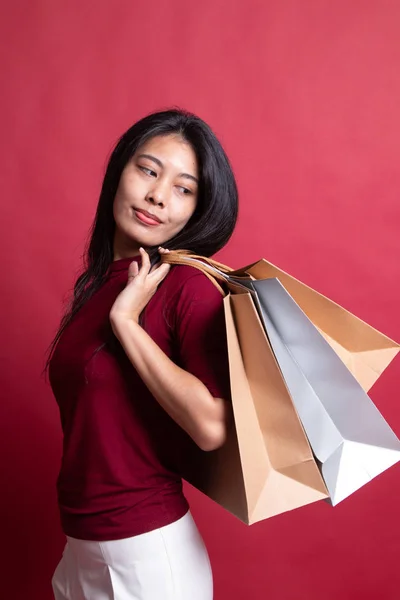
x=156, y=196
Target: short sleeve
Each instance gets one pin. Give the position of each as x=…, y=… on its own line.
x=200, y=334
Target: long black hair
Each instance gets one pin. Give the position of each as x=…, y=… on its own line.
x=207, y=231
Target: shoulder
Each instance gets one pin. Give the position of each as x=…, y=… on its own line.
x=193, y=304
x=188, y=281
x=189, y=293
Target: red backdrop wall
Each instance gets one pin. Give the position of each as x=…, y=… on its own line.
x=305, y=97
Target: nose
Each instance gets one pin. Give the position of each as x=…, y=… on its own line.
x=157, y=196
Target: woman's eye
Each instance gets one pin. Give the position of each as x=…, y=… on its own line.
x=148, y=171
x=184, y=190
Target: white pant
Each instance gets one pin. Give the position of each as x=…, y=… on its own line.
x=169, y=563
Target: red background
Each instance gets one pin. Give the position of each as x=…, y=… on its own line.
x=305, y=97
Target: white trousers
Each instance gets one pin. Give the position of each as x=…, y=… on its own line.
x=169, y=563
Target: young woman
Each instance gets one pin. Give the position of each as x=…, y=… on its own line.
x=139, y=368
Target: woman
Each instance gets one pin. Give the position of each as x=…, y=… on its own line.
x=139, y=368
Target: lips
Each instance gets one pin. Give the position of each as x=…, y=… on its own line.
x=146, y=217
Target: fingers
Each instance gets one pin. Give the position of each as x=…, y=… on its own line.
x=157, y=272
x=160, y=273
x=162, y=251
x=146, y=264
x=133, y=270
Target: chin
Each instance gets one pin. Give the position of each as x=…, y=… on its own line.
x=136, y=235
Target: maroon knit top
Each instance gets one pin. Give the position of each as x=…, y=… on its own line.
x=119, y=474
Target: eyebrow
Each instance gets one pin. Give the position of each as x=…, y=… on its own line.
x=159, y=163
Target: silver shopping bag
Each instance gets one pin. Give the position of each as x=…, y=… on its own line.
x=351, y=440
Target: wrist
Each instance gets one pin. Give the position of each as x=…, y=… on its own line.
x=120, y=320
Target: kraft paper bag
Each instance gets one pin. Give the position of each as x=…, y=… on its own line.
x=349, y=437
x=266, y=466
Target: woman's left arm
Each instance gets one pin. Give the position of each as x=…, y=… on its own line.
x=182, y=395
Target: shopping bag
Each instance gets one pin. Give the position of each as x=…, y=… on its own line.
x=266, y=466
x=349, y=437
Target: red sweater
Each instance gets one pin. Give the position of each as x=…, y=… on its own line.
x=119, y=473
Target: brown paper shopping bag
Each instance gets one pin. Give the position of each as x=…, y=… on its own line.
x=266, y=466
x=313, y=339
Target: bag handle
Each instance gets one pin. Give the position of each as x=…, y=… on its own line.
x=212, y=269
x=180, y=256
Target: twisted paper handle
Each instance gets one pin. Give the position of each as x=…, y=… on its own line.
x=215, y=271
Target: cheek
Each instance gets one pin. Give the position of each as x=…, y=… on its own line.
x=183, y=212
x=118, y=204
x=124, y=195
x=129, y=186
